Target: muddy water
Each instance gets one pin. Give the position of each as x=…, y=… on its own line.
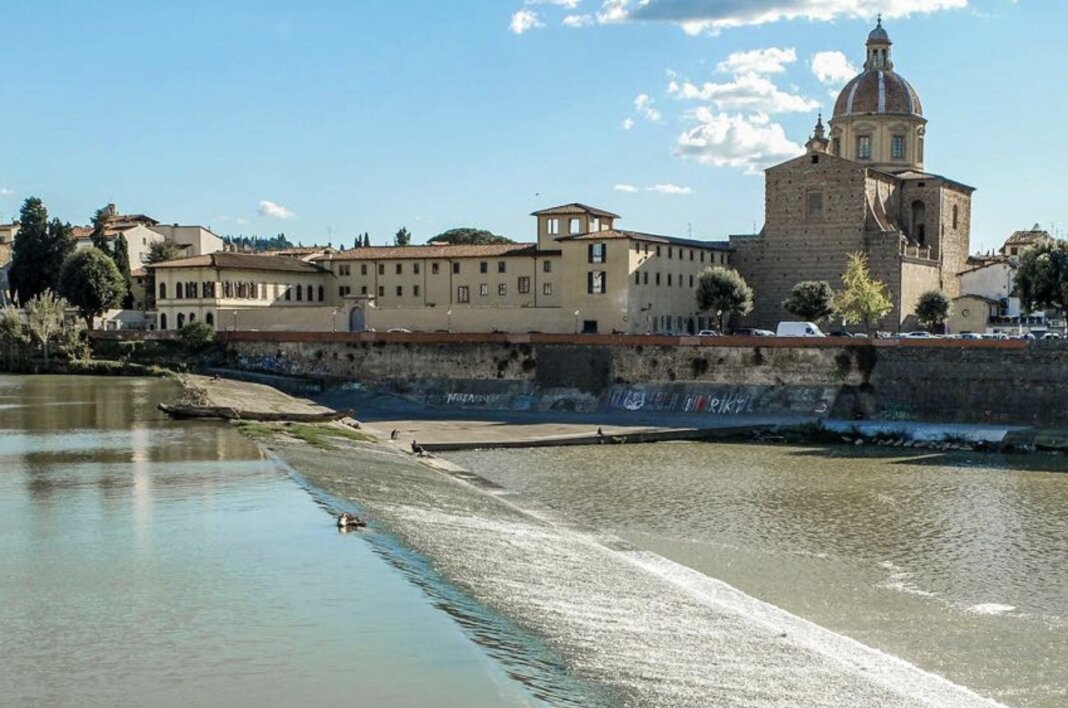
x=148, y=563
x=957, y=564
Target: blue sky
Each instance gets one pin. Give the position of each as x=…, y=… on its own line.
x=325, y=118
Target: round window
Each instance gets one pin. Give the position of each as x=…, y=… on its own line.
x=965, y=313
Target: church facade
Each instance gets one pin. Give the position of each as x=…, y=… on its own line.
x=860, y=187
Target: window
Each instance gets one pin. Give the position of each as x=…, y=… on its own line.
x=400, y=268
x=483, y=267
x=637, y=278
x=415, y=290
x=381, y=268
x=483, y=290
x=181, y=320
x=400, y=291
x=289, y=292
x=363, y=290
x=691, y=281
x=595, y=282
x=344, y=290
x=381, y=291
x=669, y=251
x=864, y=147
x=547, y=289
x=309, y=293
x=210, y=319
x=954, y=216
x=553, y=226
x=177, y=291
x=691, y=254
x=595, y=252
x=456, y=268
x=463, y=293
x=814, y=205
x=836, y=147
x=669, y=280
x=702, y=256
x=573, y=226
x=501, y=266
x=415, y=268
x=192, y=317
x=502, y=289
x=645, y=278
x=434, y=268
x=344, y=270
x=657, y=279
x=658, y=251
x=163, y=321
x=363, y=269
x=897, y=147
x=523, y=285
x=322, y=293
x=163, y=296
x=300, y=293
x=547, y=267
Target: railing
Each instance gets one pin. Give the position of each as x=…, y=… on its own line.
x=920, y=252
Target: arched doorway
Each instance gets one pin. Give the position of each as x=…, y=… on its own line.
x=163, y=320
x=210, y=319
x=181, y=320
x=357, y=323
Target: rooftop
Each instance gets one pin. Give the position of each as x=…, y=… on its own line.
x=375, y=253
x=575, y=208
x=242, y=261
x=612, y=234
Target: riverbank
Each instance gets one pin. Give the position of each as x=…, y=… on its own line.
x=595, y=598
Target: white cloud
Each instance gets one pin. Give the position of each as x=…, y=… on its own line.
x=629, y=188
x=745, y=93
x=275, y=211
x=696, y=16
x=669, y=189
x=758, y=61
x=627, y=123
x=613, y=11
x=524, y=20
x=643, y=103
x=6, y=192
x=578, y=20
x=733, y=140
x=833, y=68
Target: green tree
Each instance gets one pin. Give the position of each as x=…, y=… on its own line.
x=46, y=317
x=13, y=335
x=862, y=299
x=810, y=301
x=402, y=237
x=39, y=251
x=92, y=283
x=932, y=309
x=469, y=236
x=1041, y=278
x=196, y=336
x=366, y=239
x=723, y=291
x=121, y=256
x=100, y=223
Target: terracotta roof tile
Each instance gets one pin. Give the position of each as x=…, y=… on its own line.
x=575, y=208
x=384, y=253
x=242, y=261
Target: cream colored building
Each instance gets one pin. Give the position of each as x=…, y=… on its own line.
x=240, y=291
x=197, y=240
x=8, y=232
x=581, y=275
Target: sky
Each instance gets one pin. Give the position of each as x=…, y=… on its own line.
x=327, y=118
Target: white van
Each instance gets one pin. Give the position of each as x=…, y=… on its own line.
x=798, y=329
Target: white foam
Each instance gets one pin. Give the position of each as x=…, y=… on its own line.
x=990, y=608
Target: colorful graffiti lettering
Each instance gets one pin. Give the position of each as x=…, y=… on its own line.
x=719, y=403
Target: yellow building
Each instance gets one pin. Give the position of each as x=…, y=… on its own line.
x=581, y=275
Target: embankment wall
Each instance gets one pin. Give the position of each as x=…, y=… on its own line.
x=1008, y=382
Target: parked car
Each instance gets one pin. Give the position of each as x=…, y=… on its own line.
x=1051, y=335
x=970, y=335
x=918, y=334
x=708, y=333
x=751, y=332
x=798, y=329
x=399, y=330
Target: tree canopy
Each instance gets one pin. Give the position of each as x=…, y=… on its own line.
x=862, y=299
x=39, y=251
x=932, y=309
x=1042, y=277
x=723, y=291
x=257, y=244
x=92, y=283
x=45, y=317
x=121, y=256
x=810, y=301
x=469, y=236
x=402, y=237
x=161, y=251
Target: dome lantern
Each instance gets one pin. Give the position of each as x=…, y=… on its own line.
x=879, y=48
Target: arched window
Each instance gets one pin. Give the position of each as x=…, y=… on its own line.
x=322, y=290
x=163, y=319
x=177, y=291
x=163, y=296
x=288, y=292
x=919, y=222
x=210, y=318
x=310, y=298
x=192, y=317
x=181, y=320
x=300, y=293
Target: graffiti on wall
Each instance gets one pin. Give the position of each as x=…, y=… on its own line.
x=718, y=403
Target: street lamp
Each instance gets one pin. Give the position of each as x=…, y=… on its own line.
x=576, y=320
x=448, y=324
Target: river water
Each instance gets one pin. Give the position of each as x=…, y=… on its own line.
x=958, y=564
x=150, y=563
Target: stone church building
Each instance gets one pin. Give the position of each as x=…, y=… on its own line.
x=861, y=187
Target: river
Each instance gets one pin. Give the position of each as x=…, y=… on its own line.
x=958, y=564
x=151, y=563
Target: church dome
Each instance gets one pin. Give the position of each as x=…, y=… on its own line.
x=875, y=92
x=878, y=90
